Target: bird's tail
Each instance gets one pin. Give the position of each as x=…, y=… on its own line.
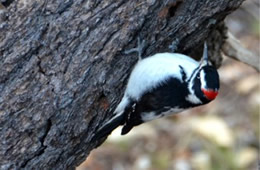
x=109, y=126
x=115, y=121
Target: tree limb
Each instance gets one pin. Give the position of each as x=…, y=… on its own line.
x=234, y=49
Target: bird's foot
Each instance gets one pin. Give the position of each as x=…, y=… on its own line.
x=174, y=45
x=139, y=49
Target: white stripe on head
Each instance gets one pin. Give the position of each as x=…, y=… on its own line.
x=202, y=79
x=192, y=97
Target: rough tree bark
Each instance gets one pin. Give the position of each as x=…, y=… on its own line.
x=63, y=70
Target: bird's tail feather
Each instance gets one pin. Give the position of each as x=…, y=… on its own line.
x=109, y=126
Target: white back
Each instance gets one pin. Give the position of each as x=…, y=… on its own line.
x=151, y=71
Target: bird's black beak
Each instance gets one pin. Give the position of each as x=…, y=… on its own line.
x=204, y=59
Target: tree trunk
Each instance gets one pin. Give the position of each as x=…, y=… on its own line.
x=63, y=67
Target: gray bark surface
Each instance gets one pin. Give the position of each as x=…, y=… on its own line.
x=63, y=70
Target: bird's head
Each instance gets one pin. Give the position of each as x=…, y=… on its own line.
x=208, y=76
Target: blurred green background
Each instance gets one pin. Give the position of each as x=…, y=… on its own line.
x=223, y=135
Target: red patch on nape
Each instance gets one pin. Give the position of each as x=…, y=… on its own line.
x=210, y=94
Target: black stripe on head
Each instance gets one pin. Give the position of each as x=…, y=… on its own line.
x=193, y=74
x=211, y=77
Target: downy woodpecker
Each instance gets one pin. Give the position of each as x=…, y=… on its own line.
x=162, y=85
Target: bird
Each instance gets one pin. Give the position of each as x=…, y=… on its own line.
x=162, y=85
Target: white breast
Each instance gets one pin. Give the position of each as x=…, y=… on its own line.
x=148, y=116
x=152, y=71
